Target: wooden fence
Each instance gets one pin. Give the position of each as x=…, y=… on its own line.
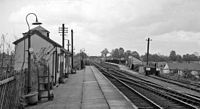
x=11, y=89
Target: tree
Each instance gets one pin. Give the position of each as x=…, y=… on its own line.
x=121, y=52
x=190, y=57
x=127, y=54
x=196, y=54
x=193, y=57
x=2, y=45
x=154, y=58
x=186, y=57
x=179, y=58
x=115, y=53
x=172, y=56
x=104, y=52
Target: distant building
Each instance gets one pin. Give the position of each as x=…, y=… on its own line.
x=180, y=68
x=132, y=62
x=135, y=64
x=43, y=48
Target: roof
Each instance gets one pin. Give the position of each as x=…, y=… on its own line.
x=40, y=28
x=183, y=66
x=35, y=31
x=135, y=60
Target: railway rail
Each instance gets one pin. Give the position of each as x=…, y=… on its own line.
x=157, y=95
x=194, y=84
x=136, y=97
x=193, y=87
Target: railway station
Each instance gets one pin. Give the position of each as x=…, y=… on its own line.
x=100, y=54
x=88, y=89
x=113, y=86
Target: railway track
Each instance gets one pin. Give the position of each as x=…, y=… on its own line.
x=163, y=98
x=181, y=96
x=136, y=97
x=194, y=84
x=193, y=87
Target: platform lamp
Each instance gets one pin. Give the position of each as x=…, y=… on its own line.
x=30, y=49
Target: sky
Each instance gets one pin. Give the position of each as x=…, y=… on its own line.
x=99, y=24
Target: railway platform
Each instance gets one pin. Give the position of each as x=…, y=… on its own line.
x=124, y=68
x=87, y=89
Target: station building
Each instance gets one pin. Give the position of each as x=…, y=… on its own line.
x=44, y=49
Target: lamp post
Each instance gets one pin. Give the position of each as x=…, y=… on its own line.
x=82, y=57
x=29, y=48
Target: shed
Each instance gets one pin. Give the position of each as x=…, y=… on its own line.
x=180, y=67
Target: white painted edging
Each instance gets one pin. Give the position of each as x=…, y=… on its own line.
x=133, y=105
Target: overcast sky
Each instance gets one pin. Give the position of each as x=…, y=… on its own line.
x=99, y=24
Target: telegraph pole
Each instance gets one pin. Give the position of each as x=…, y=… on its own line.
x=63, y=35
x=148, y=40
x=63, y=30
x=72, y=49
x=67, y=45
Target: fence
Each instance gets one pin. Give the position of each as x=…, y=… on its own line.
x=11, y=89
